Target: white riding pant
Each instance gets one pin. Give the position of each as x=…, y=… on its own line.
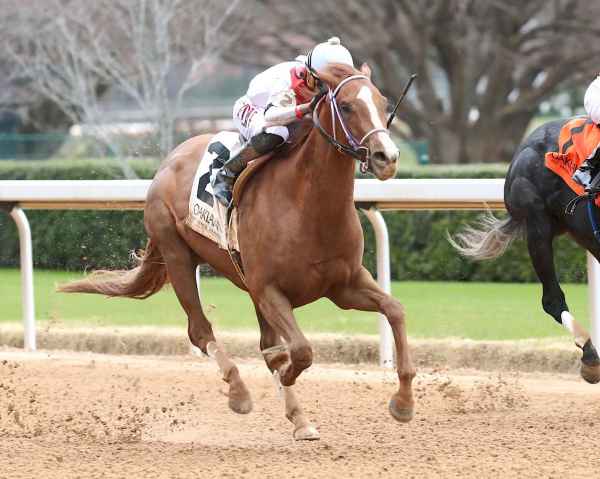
x=250, y=121
x=591, y=101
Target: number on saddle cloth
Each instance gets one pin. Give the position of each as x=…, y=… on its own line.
x=219, y=149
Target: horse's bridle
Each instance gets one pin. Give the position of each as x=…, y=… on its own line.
x=355, y=148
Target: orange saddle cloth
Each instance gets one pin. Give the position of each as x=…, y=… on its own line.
x=578, y=141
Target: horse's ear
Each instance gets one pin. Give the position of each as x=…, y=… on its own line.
x=365, y=70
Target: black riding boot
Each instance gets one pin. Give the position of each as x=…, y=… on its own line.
x=225, y=177
x=583, y=174
x=587, y=171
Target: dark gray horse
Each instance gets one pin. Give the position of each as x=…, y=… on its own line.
x=537, y=201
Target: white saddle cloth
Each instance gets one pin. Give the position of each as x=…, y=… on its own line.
x=207, y=216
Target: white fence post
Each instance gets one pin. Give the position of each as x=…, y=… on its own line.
x=27, y=298
x=593, y=269
x=386, y=340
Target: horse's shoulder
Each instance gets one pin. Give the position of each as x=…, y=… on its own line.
x=545, y=137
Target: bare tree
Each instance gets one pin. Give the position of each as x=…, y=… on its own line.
x=71, y=51
x=484, y=66
x=157, y=37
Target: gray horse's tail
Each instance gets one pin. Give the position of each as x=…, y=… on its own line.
x=488, y=238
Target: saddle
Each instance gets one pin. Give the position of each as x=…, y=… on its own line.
x=578, y=141
x=207, y=216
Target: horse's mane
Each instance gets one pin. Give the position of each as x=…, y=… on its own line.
x=333, y=74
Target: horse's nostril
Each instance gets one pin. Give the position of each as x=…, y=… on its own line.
x=381, y=157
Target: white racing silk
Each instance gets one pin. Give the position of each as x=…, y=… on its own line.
x=270, y=102
x=591, y=101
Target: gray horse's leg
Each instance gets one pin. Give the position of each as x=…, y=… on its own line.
x=539, y=243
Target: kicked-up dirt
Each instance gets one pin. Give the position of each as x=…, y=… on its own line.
x=69, y=415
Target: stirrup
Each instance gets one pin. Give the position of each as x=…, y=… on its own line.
x=224, y=196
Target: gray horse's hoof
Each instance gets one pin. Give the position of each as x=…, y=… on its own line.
x=401, y=414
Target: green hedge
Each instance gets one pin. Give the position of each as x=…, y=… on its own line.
x=92, y=239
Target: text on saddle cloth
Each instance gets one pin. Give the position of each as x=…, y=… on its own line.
x=206, y=215
x=578, y=141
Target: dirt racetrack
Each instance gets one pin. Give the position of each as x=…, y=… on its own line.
x=68, y=415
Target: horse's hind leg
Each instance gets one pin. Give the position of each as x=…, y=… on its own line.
x=364, y=294
x=539, y=243
x=276, y=355
x=181, y=263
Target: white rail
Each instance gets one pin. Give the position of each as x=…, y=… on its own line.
x=370, y=196
x=388, y=195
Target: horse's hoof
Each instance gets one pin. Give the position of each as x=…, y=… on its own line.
x=401, y=414
x=307, y=433
x=241, y=406
x=239, y=398
x=590, y=373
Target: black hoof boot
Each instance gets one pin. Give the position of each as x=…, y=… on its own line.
x=590, y=363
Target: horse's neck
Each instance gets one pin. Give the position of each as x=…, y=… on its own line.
x=326, y=175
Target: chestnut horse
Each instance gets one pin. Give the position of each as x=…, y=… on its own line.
x=300, y=240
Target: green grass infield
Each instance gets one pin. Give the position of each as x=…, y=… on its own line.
x=479, y=311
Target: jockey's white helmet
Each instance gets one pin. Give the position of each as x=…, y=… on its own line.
x=328, y=52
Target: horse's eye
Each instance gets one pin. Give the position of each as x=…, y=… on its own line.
x=346, y=107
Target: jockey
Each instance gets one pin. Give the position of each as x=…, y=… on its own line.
x=591, y=103
x=275, y=98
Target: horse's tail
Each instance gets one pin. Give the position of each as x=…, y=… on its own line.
x=147, y=278
x=489, y=238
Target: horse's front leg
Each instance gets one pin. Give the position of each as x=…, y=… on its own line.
x=277, y=311
x=364, y=294
x=279, y=362
x=539, y=243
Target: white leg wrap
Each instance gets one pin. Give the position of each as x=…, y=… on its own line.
x=579, y=334
x=567, y=321
x=278, y=384
x=279, y=348
x=211, y=350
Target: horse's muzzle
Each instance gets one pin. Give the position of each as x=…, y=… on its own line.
x=384, y=165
